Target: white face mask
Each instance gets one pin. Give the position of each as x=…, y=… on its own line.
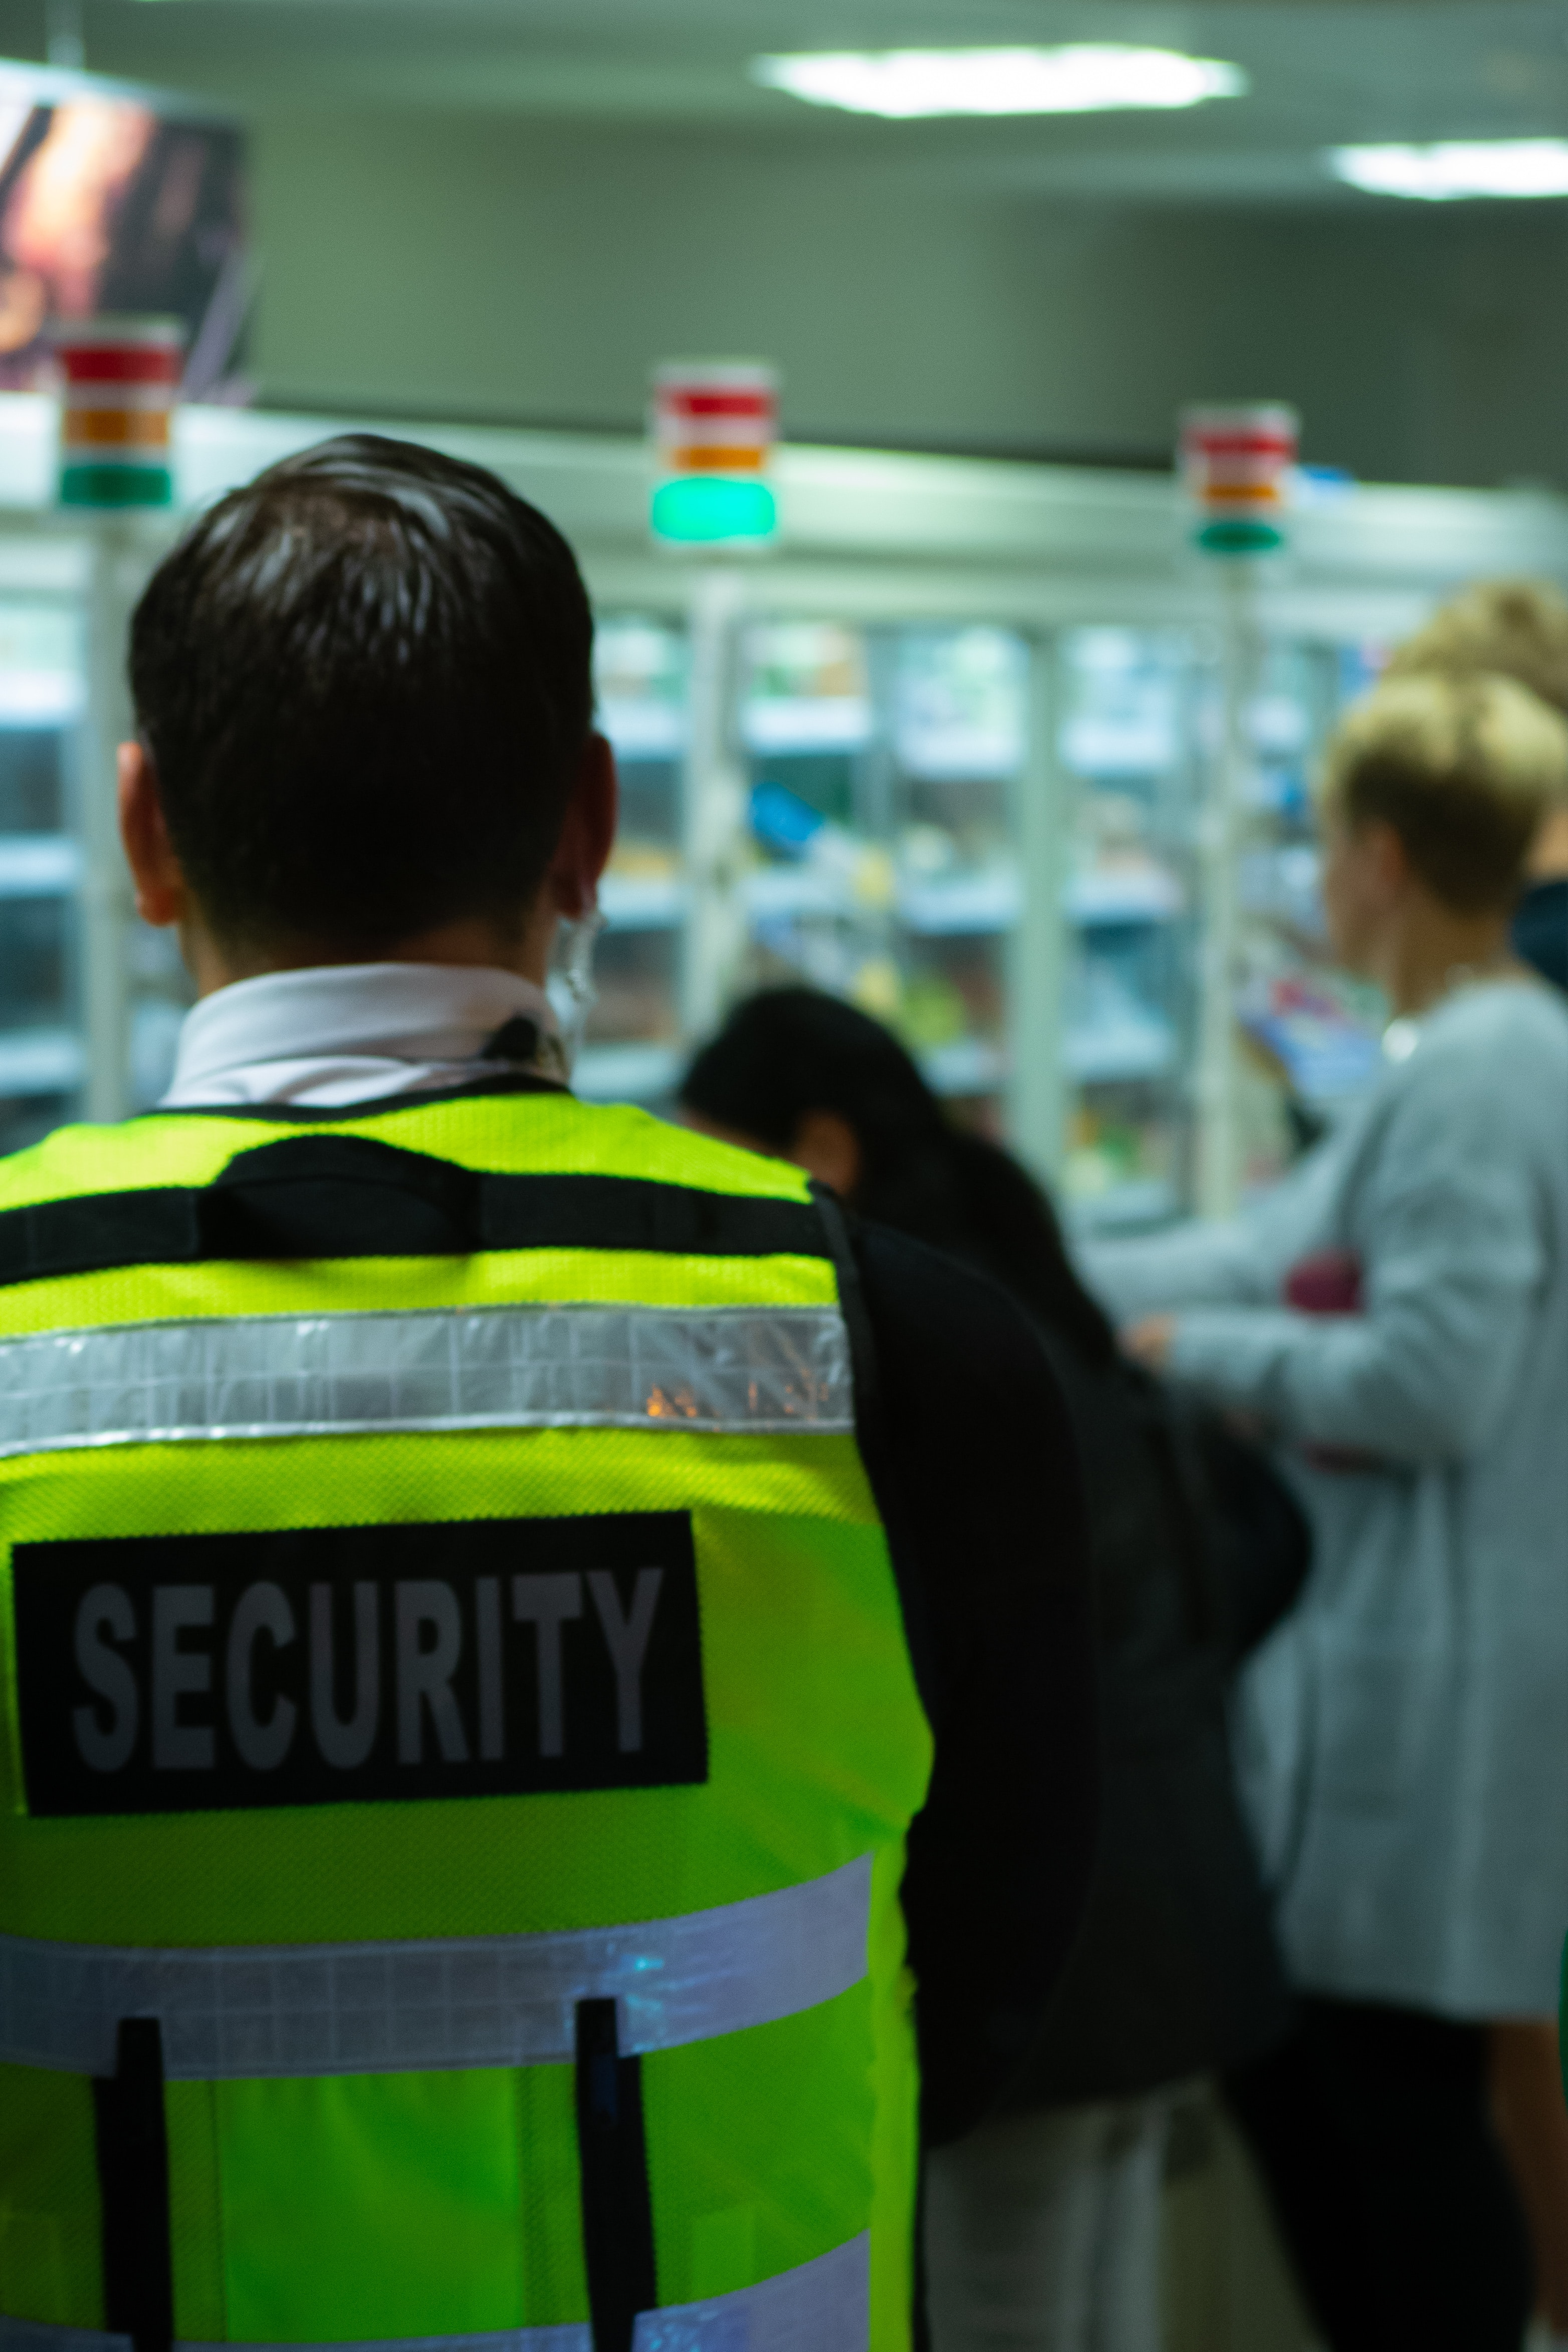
x=570, y=981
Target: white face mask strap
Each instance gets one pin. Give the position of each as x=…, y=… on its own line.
x=570, y=983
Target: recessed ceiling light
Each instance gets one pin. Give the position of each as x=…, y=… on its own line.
x=1082, y=78
x=1457, y=167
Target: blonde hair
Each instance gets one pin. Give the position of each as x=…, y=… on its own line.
x=1518, y=628
x=1462, y=768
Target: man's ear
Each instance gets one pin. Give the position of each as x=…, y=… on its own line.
x=587, y=830
x=162, y=897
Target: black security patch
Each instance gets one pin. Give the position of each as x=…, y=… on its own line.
x=319, y=1665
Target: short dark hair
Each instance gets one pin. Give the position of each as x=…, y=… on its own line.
x=364, y=682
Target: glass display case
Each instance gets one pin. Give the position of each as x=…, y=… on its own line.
x=1131, y=786
x=881, y=765
x=631, y=1049
x=1141, y=750
x=979, y=748
x=1311, y=1035
x=42, y=692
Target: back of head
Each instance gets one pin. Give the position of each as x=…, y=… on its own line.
x=1462, y=768
x=788, y=1052
x=1514, y=628
x=365, y=683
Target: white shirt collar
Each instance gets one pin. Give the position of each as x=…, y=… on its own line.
x=340, y=1033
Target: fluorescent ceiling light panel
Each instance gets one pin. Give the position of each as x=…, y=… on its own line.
x=1082, y=78
x=1457, y=167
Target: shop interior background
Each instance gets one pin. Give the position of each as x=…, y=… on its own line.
x=961, y=750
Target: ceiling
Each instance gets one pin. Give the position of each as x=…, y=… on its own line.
x=1322, y=72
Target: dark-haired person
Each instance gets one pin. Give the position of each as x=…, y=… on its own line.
x=1043, y=2224
x=1397, y=1312
x=492, y=1712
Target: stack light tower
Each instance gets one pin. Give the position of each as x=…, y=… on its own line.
x=714, y=430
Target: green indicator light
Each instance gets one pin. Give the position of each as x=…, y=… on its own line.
x=116, y=485
x=697, y=508
x=1241, y=535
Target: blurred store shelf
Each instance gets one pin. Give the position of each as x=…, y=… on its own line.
x=38, y=864
x=1145, y=1201
x=634, y=1074
x=968, y=1065
x=806, y=723
x=39, y=698
x=962, y=903
x=41, y=1061
x=1139, y=894
x=1110, y=1052
x=642, y=730
x=637, y=902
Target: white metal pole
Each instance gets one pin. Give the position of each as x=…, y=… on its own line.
x=713, y=806
x=118, y=566
x=1037, y=951
x=1218, y=1071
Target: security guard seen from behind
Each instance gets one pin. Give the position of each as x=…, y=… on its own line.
x=540, y=1663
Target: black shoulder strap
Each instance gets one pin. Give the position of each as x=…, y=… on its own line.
x=616, y=2199
x=134, y=2190
x=340, y=1196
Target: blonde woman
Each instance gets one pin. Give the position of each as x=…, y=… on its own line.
x=1397, y=1312
x=1519, y=628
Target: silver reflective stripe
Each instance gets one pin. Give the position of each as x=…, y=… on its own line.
x=485, y=2001
x=823, y=2306
x=712, y=1367
x=43, y=2336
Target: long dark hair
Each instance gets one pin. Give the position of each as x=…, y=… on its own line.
x=789, y=1051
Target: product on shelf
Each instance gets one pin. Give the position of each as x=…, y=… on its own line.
x=639, y=686
x=882, y=764
x=43, y=1053
x=1130, y=703
x=960, y=707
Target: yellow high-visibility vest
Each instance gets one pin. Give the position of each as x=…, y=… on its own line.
x=457, y=1735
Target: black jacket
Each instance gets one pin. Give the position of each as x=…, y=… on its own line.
x=970, y=1452
x=1197, y=1550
